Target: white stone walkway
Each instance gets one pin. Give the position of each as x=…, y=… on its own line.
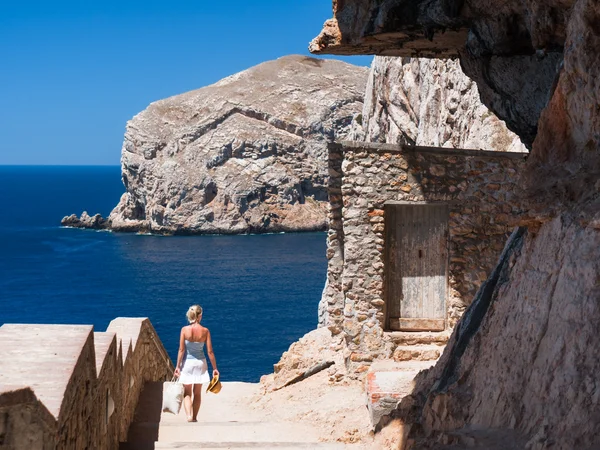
x=224, y=422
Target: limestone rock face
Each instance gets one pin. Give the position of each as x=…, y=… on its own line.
x=247, y=154
x=429, y=102
x=565, y=164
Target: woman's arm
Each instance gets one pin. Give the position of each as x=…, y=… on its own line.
x=180, y=353
x=211, y=353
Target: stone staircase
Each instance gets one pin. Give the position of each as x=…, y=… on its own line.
x=417, y=352
x=418, y=346
x=224, y=422
x=388, y=381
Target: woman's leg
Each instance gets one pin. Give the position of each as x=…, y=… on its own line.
x=187, y=400
x=197, y=400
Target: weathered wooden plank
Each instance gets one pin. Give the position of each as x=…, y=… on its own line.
x=433, y=263
x=417, y=268
x=427, y=260
x=401, y=233
x=417, y=324
x=408, y=263
x=442, y=249
x=417, y=256
x=393, y=292
x=308, y=373
x=430, y=259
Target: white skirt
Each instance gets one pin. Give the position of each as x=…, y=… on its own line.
x=194, y=371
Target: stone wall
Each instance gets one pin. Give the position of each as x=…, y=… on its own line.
x=21, y=410
x=66, y=387
x=109, y=365
x=480, y=190
x=144, y=360
x=81, y=403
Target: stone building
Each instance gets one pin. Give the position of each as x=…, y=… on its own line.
x=414, y=231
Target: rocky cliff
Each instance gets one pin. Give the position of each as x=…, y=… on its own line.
x=246, y=154
x=521, y=368
x=428, y=102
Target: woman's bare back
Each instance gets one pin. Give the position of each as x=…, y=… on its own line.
x=195, y=333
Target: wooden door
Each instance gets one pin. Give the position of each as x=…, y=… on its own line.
x=416, y=266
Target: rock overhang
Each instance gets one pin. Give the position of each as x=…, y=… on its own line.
x=513, y=51
x=439, y=42
x=443, y=28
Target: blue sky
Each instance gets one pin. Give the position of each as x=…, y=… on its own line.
x=73, y=72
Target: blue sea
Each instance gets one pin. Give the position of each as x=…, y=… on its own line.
x=259, y=293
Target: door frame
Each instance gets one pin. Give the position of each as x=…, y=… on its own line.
x=410, y=324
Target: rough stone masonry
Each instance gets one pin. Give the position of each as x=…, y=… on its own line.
x=477, y=186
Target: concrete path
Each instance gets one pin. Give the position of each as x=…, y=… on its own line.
x=225, y=422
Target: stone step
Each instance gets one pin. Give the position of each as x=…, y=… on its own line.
x=218, y=431
x=387, y=383
x=151, y=445
x=419, y=337
x=235, y=432
x=417, y=352
x=389, y=365
x=103, y=341
x=222, y=423
x=254, y=445
x=280, y=445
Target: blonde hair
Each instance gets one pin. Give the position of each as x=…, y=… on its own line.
x=194, y=313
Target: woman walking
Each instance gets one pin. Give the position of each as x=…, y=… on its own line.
x=192, y=369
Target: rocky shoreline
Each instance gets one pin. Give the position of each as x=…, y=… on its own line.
x=98, y=222
x=95, y=222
